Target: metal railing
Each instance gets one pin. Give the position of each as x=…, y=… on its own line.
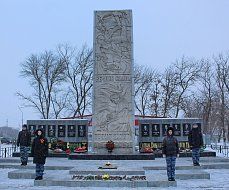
x=224, y=150
x=8, y=151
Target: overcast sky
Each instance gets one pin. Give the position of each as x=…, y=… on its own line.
x=163, y=32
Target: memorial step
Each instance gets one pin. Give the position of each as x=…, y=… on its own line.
x=140, y=156
x=76, y=171
x=18, y=166
x=180, y=174
x=104, y=183
x=150, y=176
x=11, y=160
x=203, y=166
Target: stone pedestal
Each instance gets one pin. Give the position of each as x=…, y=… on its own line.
x=113, y=106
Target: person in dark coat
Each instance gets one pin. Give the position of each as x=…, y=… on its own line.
x=195, y=139
x=39, y=152
x=24, y=141
x=170, y=151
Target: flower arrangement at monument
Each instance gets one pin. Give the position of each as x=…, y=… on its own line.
x=110, y=145
x=58, y=146
x=80, y=149
x=68, y=151
x=105, y=177
x=146, y=149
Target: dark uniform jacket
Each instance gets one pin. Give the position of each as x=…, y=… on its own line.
x=39, y=150
x=24, y=138
x=195, y=138
x=170, y=146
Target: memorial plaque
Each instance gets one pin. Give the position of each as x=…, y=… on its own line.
x=51, y=130
x=156, y=130
x=81, y=130
x=61, y=130
x=145, y=130
x=186, y=128
x=177, y=129
x=43, y=127
x=71, y=130
x=32, y=130
x=164, y=129
x=113, y=94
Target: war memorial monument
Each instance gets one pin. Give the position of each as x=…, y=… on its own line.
x=113, y=98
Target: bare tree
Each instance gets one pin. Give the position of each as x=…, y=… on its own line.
x=207, y=81
x=79, y=72
x=45, y=73
x=169, y=82
x=59, y=102
x=143, y=81
x=187, y=71
x=221, y=63
x=156, y=96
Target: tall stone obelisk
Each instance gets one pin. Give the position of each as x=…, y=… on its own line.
x=113, y=99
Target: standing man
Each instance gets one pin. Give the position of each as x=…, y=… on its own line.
x=195, y=139
x=170, y=151
x=24, y=141
x=39, y=153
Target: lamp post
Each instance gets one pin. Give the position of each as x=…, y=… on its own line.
x=22, y=120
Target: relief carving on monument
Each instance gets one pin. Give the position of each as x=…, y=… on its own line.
x=113, y=39
x=114, y=109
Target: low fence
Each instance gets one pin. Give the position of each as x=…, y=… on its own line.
x=8, y=151
x=224, y=150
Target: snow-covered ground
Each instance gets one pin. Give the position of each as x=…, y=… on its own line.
x=219, y=181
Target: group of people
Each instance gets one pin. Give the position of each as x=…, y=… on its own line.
x=39, y=149
x=170, y=149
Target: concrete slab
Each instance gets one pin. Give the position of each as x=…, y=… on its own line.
x=192, y=174
x=215, y=160
x=118, y=171
x=204, y=166
x=180, y=174
x=189, y=154
x=87, y=156
x=32, y=166
x=162, y=184
x=11, y=160
x=22, y=174
x=94, y=183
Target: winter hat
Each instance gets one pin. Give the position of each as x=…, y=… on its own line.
x=24, y=126
x=170, y=128
x=39, y=130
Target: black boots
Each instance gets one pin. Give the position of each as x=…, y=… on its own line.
x=23, y=163
x=39, y=178
x=171, y=179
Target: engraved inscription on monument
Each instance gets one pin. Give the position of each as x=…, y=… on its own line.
x=113, y=113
